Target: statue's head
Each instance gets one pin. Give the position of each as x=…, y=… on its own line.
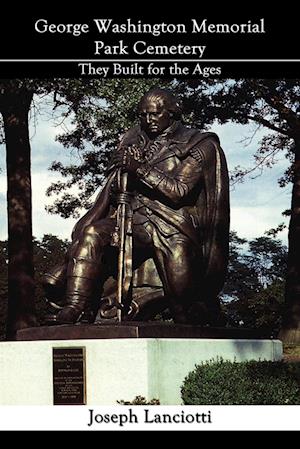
x=158, y=109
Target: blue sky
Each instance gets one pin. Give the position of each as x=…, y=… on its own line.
x=256, y=205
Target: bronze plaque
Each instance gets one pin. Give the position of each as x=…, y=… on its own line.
x=69, y=383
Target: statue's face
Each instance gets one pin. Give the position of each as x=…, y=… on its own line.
x=154, y=118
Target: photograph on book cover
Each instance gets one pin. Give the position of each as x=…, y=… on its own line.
x=159, y=164
x=149, y=227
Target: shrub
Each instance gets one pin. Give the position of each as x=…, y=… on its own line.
x=246, y=383
x=139, y=400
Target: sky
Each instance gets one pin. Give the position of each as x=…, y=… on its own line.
x=256, y=205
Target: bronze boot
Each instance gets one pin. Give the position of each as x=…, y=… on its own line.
x=82, y=275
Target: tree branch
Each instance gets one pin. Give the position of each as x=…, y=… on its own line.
x=262, y=121
x=271, y=98
x=260, y=163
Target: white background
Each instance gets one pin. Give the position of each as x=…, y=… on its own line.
x=78, y=417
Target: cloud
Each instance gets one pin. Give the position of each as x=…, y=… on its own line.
x=257, y=203
x=253, y=222
x=44, y=146
x=43, y=222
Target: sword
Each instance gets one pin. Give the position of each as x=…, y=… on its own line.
x=122, y=238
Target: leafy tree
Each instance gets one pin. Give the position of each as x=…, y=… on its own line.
x=266, y=308
x=48, y=252
x=268, y=258
x=275, y=105
x=253, y=294
x=242, y=280
x=15, y=101
x=100, y=112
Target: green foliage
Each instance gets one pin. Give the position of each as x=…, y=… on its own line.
x=262, y=310
x=48, y=252
x=241, y=279
x=266, y=308
x=253, y=294
x=139, y=400
x=268, y=257
x=269, y=103
x=100, y=112
x=247, y=383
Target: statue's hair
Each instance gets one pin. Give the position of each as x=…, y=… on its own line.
x=165, y=98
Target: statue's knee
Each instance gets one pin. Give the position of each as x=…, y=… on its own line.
x=99, y=234
x=90, y=232
x=90, y=236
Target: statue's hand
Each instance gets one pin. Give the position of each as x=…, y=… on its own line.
x=128, y=158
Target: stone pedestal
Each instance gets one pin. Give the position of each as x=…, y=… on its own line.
x=119, y=368
x=136, y=329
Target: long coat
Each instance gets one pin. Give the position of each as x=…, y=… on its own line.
x=188, y=175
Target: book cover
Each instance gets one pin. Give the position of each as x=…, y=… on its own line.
x=69, y=91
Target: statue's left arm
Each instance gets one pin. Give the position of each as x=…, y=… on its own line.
x=176, y=184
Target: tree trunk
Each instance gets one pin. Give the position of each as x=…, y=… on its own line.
x=15, y=106
x=290, y=332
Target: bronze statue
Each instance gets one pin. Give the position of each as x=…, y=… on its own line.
x=156, y=237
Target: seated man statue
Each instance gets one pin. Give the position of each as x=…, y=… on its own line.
x=175, y=195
